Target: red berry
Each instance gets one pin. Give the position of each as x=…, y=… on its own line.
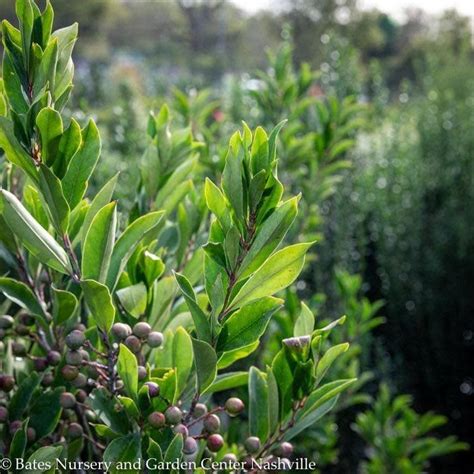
x=215, y=442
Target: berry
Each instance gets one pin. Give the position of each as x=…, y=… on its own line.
x=18, y=349
x=74, y=357
x=142, y=372
x=181, y=429
x=212, y=423
x=22, y=330
x=80, y=381
x=153, y=389
x=67, y=400
x=133, y=343
x=3, y=414
x=142, y=330
x=15, y=426
x=284, y=450
x=215, y=442
x=155, y=339
x=230, y=458
x=252, y=444
x=173, y=415
x=234, y=406
x=75, y=339
x=81, y=396
x=27, y=319
x=200, y=410
x=6, y=321
x=157, y=419
x=31, y=434
x=7, y=382
x=40, y=364
x=69, y=372
x=121, y=331
x=75, y=430
x=47, y=380
x=190, y=445
x=53, y=357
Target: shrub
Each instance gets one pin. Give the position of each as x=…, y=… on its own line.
x=120, y=331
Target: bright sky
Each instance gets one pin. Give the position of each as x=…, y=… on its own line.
x=395, y=7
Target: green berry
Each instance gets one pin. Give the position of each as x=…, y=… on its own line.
x=74, y=357
x=155, y=339
x=284, y=450
x=67, y=400
x=53, y=357
x=75, y=431
x=80, y=381
x=81, y=396
x=181, y=429
x=173, y=415
x=47, y=379
x=229, y=458
x=153, y=389
x=234, y=406
x=69, y=372
x=215, y=442
x=252, y=444
x=212, y=423
x=142, y=372
x=75, y=339
x=156, y=419
x=121, y=330
x=199, y=410
x=6, y=321
x=22, y=330
x=18, y=349
x=142, y=330
x=133, y=343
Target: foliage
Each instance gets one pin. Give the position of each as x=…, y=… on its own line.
x=120, y=329
x=398, y=438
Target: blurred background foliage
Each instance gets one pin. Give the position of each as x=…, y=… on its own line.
x=379, y=140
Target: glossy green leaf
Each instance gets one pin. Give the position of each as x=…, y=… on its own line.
x=34, y=237
x=99, y=301
x=304, y=325
x=65, y=305
x=45, y=412
x=50, y=126
x=22, y=396
x=258, y=404
x=182, y=354
x=99, y=244
x=82, y=165
x=260, y=152
x=128, y=242
x=246, y=326
x=328, y=358
x=133, y=299
x=232, y=176
x=228, y=358
x=227, y=381
x=269, y=236
x=20, y=294
x=127, y=367
x=216, y=203
x=122, y=450
x=174, y=451
x=44, y=456
x=206, y=364
x=67, y=147
x=278, y=272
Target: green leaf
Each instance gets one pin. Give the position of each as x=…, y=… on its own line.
x=56, y=204
x=44, y=456
x=328, y=358
x=304, y=325
x=247, y=325
x=283, y=368
x=99, y=244
x=128, y=242
x=47, y=68
x=50, y=126
x=228, y=358
x=278, y=272
x=259, y=152
x=99, y=301
x=14, y=152
x=99, y=400
x=20, y=294
x=154, y=451
x=121, y=450
x=201, y=322
x=127, y=367
x=133, y=299
x=206, y=364
x=232, y=247
x=232, y=177
x=45, y=412
x=19, y=442
x=258, y=404
x=34, y=237
x=101, y=199
x=273, y=401
x=174, y=451
x=215, y=201
x=130, y=407
x=24, y=12
x=82, y=165
x=65, y=305
x=22, y=397
x=68, y=145
x=269, y=236
x=227, y=381
x=182, y=358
